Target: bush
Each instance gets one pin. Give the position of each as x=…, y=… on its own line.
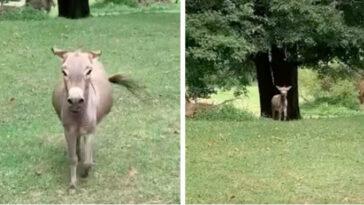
x=224, y=112
x=309, y=84
x=326, y=89
x=131, y=3
x=25, y=13
x=327, y=95
x=345, y=92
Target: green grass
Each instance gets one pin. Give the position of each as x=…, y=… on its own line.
x=137, y=144
x=248, y=102
x=265, y=161
x=232, y=157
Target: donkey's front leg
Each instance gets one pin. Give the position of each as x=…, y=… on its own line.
x=88, y=161
x=279, y=115
x=71, y=138
x=285, y=114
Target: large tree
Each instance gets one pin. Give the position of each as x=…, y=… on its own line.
x=276, y=36
x=73, y=9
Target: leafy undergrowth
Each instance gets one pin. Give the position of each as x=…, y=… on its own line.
x=223, y=112
x=264, y=161
x=330, y=107
x=23, y=13
x=137, y=144
x=110, y=8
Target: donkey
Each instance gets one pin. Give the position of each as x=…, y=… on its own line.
x=279, y=103
x=81, y=100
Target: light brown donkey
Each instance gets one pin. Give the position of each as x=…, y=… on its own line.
x=81, y=100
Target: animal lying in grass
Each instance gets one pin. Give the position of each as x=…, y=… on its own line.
x=81, y=100
x=280, y=103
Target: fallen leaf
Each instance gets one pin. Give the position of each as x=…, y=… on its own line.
x=38, y=170
x=132, y=171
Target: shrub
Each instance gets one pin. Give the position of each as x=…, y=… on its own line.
x=224, y=112
x=25, y=13
x=131, y=3
x=134, y=3
x=345, y=92
x=309, y=84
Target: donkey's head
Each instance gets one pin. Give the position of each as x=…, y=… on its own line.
x=76, y=69
x=283, y=90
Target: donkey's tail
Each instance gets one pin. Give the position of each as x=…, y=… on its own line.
x=128, y=83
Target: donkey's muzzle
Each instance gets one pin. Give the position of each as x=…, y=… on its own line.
x=75, y=101
x=75, y=96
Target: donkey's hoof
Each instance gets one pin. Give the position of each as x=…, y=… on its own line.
x=72, y=189
x=85, y=172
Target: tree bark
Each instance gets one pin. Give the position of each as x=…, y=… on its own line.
x=265, y=83
x=286, y=74
x=73, y=9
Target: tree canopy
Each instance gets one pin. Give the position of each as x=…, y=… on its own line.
x=223, y=37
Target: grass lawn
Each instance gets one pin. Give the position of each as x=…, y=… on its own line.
x=137, y=144
x=265, y=161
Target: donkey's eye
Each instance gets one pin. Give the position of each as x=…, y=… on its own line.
x=64, y=73
x=88, y=72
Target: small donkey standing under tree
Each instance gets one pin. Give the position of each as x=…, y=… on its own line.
x=280, y=103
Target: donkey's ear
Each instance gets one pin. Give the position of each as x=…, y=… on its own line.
x=59, y=52
x=95, y=54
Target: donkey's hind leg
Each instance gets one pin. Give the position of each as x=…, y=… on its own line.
x=273, y=114
x=88, y=154
x=279, y=115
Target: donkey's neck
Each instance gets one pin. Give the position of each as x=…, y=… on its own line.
x=283, y=99
x=90, y=103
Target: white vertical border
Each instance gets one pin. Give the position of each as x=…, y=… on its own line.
x=182, y=105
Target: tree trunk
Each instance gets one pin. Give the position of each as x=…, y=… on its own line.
x=73, y=9
x=286, y=74
x=265, y=83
